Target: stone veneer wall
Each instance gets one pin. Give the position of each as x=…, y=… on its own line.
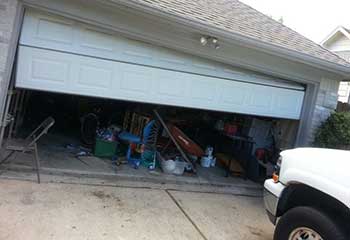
x=326, y=103
x=8, y=13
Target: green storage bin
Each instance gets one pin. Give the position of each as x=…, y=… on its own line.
x=105, y=148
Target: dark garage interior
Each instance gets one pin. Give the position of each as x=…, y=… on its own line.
x=89, y=136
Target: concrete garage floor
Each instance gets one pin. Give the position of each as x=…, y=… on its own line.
x=73, y=211
x=57, y=159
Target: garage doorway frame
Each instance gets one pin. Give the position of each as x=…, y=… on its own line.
x=304, y=135
x=5, y=91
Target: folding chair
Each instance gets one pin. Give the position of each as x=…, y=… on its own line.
x=29, y=145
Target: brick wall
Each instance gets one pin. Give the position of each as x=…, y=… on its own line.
x=8, y=13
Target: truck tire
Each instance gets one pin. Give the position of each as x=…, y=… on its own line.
x=307, y=223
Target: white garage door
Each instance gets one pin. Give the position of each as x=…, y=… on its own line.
x=62, y=55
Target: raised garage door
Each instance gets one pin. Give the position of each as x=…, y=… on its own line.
x=61, y=55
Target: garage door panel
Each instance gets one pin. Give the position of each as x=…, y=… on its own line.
x=50, y=70
x=204, y=65
x=288, y=101
x=260, y=98
x=96, y=41
x=135, y=80
x=167, y=57
x=55, y=31
x=170, y=84
x=170, y=87
x=39, y=68
x=95, y=77
x=203, y=89
x=48, y=32
x=93, y=41
x=233, y=94
x=69, y=73
x=136, y=51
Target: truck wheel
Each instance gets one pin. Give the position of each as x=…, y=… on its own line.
x=306, y=223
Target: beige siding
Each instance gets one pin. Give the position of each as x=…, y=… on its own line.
x=340, y=45
x=344, y=92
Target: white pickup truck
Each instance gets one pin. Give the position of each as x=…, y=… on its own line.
x=309, y=195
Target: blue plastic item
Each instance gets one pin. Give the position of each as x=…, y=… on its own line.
x=148, y=139
x=126, y=136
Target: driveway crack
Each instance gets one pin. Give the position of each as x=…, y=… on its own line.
x=186, y=215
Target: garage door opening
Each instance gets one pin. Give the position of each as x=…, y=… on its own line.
x=243, y=146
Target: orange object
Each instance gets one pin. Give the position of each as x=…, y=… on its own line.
x=185, y=142
x=275, y=177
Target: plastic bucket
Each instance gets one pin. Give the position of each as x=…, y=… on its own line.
x=206, y=162
x=180, y=168
x=168, y=166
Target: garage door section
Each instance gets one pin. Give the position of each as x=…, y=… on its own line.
x=62, y=55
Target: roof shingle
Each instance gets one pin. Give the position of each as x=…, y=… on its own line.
x=238, y=18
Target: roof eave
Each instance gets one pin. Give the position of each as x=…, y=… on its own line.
x=248, y=42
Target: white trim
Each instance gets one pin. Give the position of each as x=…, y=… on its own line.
x=333, y=33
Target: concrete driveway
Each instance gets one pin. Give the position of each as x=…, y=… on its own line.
x=70, y=211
